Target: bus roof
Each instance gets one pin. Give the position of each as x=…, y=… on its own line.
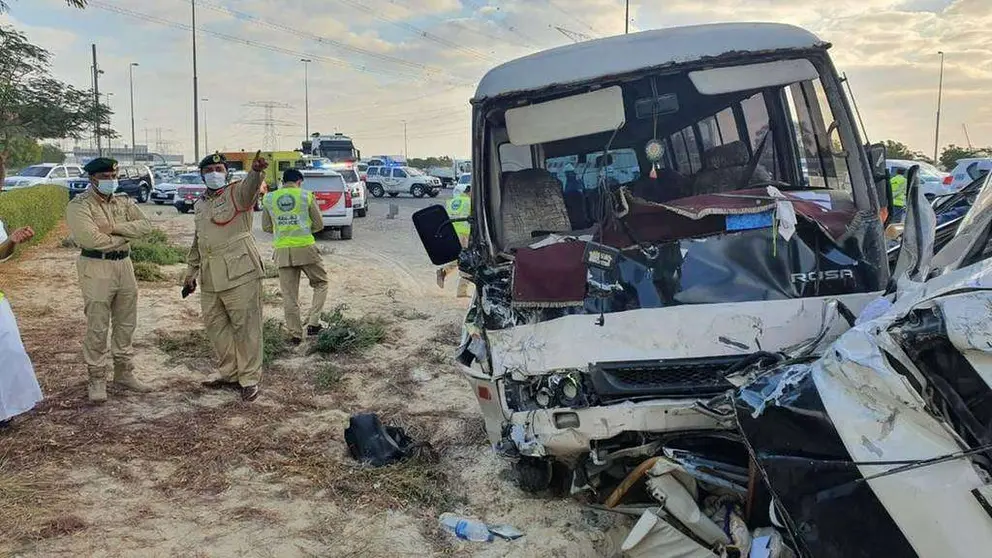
x=637, y=51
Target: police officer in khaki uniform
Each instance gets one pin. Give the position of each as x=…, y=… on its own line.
x=292, y=215
x=101, y=224
x=227, y=262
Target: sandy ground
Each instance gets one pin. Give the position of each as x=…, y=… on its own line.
x=188, y=472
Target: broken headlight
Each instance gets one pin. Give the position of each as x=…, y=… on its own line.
x=565, y=389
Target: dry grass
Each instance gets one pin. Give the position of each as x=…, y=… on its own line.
x=192, y=343
x=327, y=377
x=410, y=314
x=272, y=297
x=30, y=500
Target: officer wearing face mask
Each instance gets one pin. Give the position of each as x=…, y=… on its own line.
x=102, y=223
x=226, y=261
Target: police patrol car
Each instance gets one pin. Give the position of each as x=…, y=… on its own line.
x=333, y=198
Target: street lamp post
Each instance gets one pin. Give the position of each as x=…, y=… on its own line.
x=196, y=94
x=110, y=139
x=404, y=140
x=626, y=18
x=134, y=151
x=206, y=139
x=306, y=95
x=940, y=92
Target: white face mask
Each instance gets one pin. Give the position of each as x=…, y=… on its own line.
x=215, y=180
x=106, y=187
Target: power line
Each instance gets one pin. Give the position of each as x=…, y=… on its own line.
x=320, y=39
x=256, y=44
x=416, y=30
x=571, y=14
x=531, y=43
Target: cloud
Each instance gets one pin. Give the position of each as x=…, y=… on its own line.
x=377, y=63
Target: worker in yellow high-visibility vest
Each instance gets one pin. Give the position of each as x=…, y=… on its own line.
x=458, y=207
x=291, y=214
x=19, y=389
x=898, y=185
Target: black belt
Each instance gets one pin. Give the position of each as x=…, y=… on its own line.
x=98, y=255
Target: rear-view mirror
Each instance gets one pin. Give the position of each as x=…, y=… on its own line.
x=437, y=234
x=880, y=177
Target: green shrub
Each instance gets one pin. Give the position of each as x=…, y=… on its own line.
x=155, y=248
x=275, y=342
x=148, y=271
x=344, y=334
x=40, y=207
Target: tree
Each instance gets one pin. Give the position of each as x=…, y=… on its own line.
x=72, y=3
x=950, y=155
x=51, y=154
x=898, y=150
x=35, y=105
x=23, y=152
x=428, y=162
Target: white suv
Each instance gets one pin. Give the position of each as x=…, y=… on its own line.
x=967, y=171
x=398, y=180
x=45, y=173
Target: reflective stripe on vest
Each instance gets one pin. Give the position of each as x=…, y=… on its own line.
x=898, y=185
x=290, y=211
x=460, y=207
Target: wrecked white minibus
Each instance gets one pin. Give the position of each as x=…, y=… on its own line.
x=609, y=312
x=734, y=221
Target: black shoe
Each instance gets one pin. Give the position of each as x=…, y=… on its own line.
x=220, y=384
x=249, y=393
x=314, y=330
x=296, y=340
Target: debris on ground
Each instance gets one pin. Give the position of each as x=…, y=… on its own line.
x=371, y=442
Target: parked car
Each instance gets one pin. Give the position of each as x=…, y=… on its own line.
x=357, y=186
x=401, y=180
x=165, y=192
x=333, y=198
x=933, y=181
x=967, y=170
x=464, y=181
x=44, y=173
x=187, y=194
x=136, y=182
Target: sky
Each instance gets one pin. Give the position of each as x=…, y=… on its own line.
x=377, y=64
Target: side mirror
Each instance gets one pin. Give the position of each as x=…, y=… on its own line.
x=437, y=234
x=880, y=177
x=916, y=250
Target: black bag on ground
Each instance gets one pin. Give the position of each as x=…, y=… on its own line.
x=371, y=442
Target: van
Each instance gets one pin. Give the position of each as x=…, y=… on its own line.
x=651, y=212
x=333, y=198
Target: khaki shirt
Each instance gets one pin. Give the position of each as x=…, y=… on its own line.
x=301, y=255
x=223, y=251
x=87, y=212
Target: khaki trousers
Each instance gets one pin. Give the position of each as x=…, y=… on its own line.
x=233, y=320
x=289, y=283
x=110, y=303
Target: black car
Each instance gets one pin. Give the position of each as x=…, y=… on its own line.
x=136, y=182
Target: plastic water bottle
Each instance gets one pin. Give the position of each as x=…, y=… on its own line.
x=464, y=528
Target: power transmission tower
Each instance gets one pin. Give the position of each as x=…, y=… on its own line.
x=574, y=35
x=270, y=140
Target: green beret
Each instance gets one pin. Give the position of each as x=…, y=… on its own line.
x=213, y=159
x=100, y=164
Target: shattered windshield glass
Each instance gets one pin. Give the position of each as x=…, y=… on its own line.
x=731, y=197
